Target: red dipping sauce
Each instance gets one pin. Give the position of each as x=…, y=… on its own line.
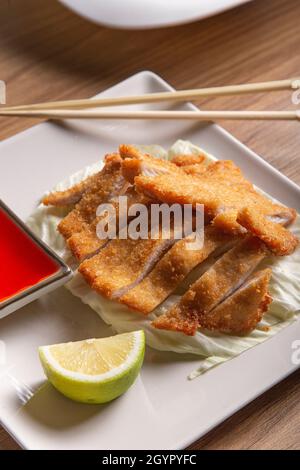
x=23, y=263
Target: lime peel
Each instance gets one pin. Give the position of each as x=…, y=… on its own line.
x=97, y=388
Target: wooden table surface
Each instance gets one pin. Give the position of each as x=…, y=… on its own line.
x=47, y=53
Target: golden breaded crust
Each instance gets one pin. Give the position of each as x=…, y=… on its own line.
x=121, y=263
x=106, y=184
x=222, y=197
x=214, y=285
x=132, y=167
x=136, y=163
x=197, y=169
x=129, y=151
x=228, y=172
x=85, y=242
x=242, y=311
x=171, y=270
x=72, y=223
x=277, y=238
x=143, y=273
x=188, y=160
x=180, y=321
x=227, y=222
x=70, y=196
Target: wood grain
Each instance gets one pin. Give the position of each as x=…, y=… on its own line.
x=49, y=53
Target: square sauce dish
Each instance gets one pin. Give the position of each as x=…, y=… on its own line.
x=28, y=267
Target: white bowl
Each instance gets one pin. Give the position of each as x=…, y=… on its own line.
x=135, y=14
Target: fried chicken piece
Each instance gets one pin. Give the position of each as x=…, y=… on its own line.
x=279, y=240
x=261, y=225
x=227, y=222
x=191, y=164
x=220, y=281
x=284, y=218
x=221, y=169
x=135, y=163
x=122, y=264
x=228, y=172
x=108, y=182
x=69, y=196
x=188, y=160
x=197, y=169
x=86, y=242
x=72, y=195
x=223, y=191
x=171, y=269
x=129, y=151
x=242, y=311
x=190, y=190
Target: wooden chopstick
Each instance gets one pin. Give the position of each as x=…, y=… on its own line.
x=183, y=95
x=193, y=115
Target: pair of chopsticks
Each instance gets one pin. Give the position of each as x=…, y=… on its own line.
x=89, y=108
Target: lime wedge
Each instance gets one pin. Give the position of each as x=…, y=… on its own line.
x=94, y=370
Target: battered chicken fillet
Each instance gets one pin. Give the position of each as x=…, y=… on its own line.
x=275, y=236
x=189, y=159
x=172, y=269
x=223, y=191
x=108, y=183
x=122, y=264
x=191, y=164
x=86, y=242
x=135, y=162
x=71, y=195
x=241, y=312
x=213, y=287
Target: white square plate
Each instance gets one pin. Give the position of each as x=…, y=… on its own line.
x=163, y=410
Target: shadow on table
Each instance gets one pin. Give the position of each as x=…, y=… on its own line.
x=60, y=39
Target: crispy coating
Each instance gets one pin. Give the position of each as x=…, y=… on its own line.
x=122, y=263
x=129, y=151
x=228, y=172
x=225, y=170
x=135, y=163
x=85, y=243
x=188, y=160
x=225, y=276
x=143, y=273
x=196, y=169
x=108, y=182
x=279, y=240
x=186, y=322
x=72, y=195
x=242, y=311
x=171, y=270
x=69, y=196
x=222, y=189
x=191, y=164
x=227, y=222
